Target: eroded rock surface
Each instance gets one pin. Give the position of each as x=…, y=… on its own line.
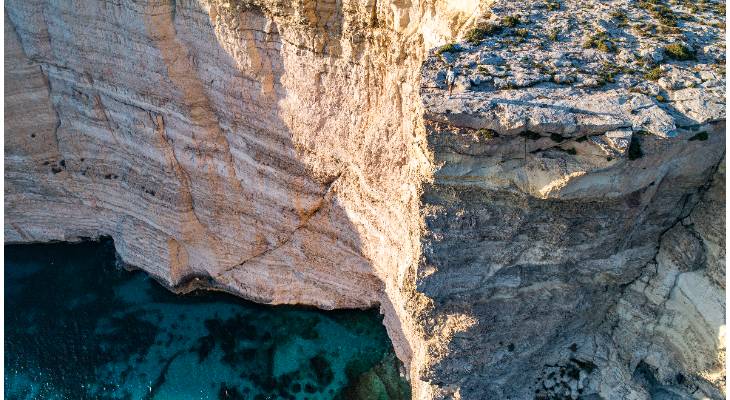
x=554, y=228
x=568, y=216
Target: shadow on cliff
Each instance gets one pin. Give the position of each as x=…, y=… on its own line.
x=230, y=83
x=178, y=147
x=319, y=260
x=540, y=277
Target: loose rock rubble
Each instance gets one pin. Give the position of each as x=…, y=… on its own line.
x=567, y=381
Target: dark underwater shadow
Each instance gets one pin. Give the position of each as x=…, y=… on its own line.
x=207, y=83
x=78, y=326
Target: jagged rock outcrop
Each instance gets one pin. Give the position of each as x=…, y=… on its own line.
x=671, y=320
x=537, y=233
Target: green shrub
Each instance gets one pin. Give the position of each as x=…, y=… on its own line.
x=660, y=11
x=654, y=74
x=522, y=32
x=608, y=71
x=556, y=137
x=600, y=41
x=669, y=30
x=678, y=51
x=448, y=48
x=552, y=5
x=646, y=29
x=620, y=17
x=476, y=35
x=487, y=133
x=511, y=21
x=571, y=151
x=665, y=15
x=553, y=35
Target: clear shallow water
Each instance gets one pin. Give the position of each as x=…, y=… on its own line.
x=77, y=327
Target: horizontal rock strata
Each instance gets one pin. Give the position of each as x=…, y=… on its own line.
x=550, y=226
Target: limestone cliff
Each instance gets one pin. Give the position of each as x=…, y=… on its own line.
x=549, y=229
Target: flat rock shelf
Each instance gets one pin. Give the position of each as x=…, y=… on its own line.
x=79, y=327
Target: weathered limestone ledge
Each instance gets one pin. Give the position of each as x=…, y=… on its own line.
x=538, y=233
x=576, y=163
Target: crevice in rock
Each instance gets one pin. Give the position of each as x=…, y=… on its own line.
x=169, y=150
x=326, y=198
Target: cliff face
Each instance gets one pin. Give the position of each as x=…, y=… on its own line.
x=308, y=153
x=273, y=150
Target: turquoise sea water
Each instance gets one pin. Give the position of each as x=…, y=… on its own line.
x=78, y=327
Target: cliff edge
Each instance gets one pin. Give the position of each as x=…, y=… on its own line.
x=548, y=225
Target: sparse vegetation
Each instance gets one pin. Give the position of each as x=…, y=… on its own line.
x=522, y=32
x=608, y=72
x=600, y=41
x=719, y=68
x=604, y=76
x=552, y=5
x=636, y=89
x=659, y=11
x=511, y=21
x=678, y=51
x=673, y=30
x=718, y=25
x=620, y=17
x=476, y=35
x=646, y=29
x=545, y=69
x=654, y=74
x=486, y=133
x=448, y=48
x=553, y=35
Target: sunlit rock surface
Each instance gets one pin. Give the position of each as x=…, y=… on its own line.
x=309, y=153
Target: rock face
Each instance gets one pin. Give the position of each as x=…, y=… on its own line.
x=671, y=318
x=538, y=233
